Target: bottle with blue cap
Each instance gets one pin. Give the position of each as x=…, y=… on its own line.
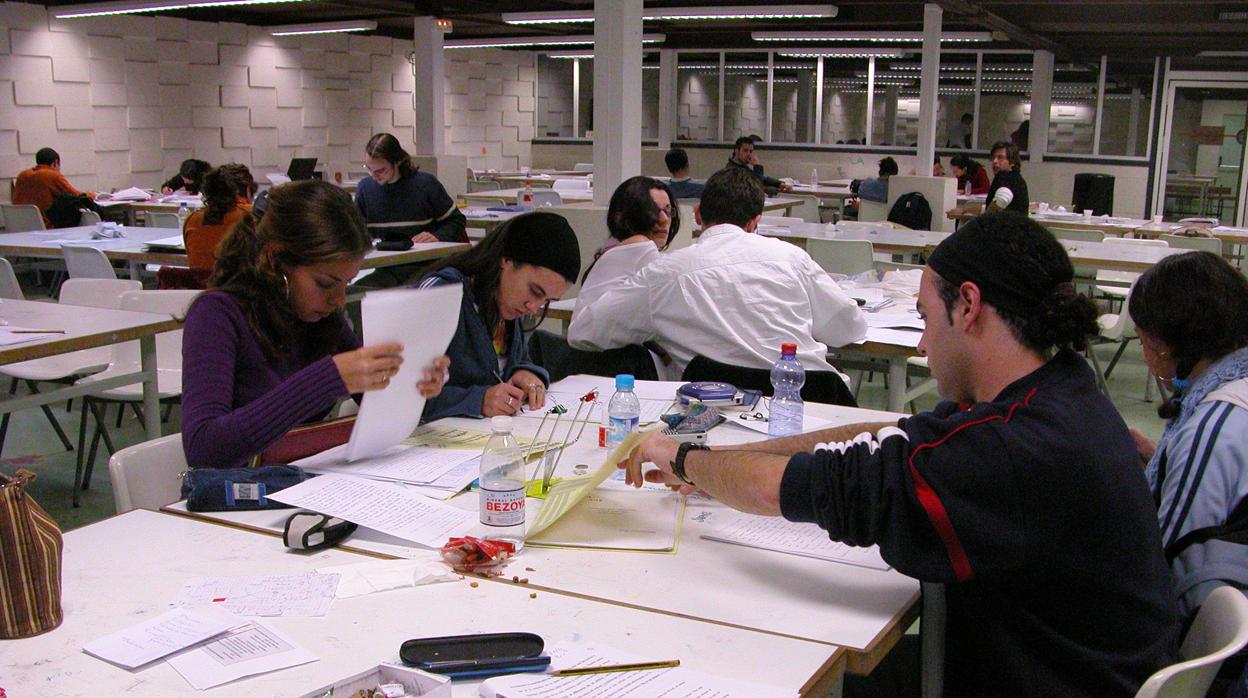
x=623, y=411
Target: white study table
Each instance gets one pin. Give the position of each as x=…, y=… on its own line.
x=86, y=328
x=509, y=196
x=863, y=610
x=119, y=571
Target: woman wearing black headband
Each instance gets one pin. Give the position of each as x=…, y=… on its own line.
x=515, y=271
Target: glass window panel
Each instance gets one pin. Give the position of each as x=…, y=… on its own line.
x=697, y=80
x=587, y=97
x=844, y=100
x=1072, y=112
x=650, y=95
x=745, y=95
x=554, y=97
x=955, y=100
x=1005, y=102
x=793, y=100
x=1128, y=104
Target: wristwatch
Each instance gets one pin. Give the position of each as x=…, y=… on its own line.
x=678, y=465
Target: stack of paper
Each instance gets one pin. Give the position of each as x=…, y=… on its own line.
x=445, y=470
x=775, y=533
x=131, y=194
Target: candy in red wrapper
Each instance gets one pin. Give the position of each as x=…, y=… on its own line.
x=472, y=554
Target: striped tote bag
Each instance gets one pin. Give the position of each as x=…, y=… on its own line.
x=30, y=562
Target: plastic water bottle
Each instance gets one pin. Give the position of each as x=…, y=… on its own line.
x=623, y=412
x=502, y=484
x=787, y=378
x=968, y=187
x=526, y=196
x=183, y=213
x=814, y=178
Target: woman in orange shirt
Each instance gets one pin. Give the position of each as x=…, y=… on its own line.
x=228, y=191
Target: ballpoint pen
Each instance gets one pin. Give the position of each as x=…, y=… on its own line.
x=607, y=668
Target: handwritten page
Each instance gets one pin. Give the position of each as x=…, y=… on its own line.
x=780, y=535
x=423, y=321
x=676, y=682
x=418, y=465
x=308, y=594
x=161, y=636
x=567, y=493
x=444, y=436
x=253, y=648
x=610, y=519
x=381, y=506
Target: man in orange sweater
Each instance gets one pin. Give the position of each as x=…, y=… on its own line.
x=42, y=183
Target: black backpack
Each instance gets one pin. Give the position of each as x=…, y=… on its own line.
x=912, y=211
x=66, y=209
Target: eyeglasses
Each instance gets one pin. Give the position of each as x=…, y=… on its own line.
x=667, y=210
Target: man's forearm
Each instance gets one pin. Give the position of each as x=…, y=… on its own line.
x=748, y=482
x=804, y=443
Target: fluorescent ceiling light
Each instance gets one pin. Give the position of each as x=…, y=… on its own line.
x=879, y=36
x=359, y=25
x=100, y=9
x=523, y=41
x=1223, y=54
x=844, y=53
x=668, y=14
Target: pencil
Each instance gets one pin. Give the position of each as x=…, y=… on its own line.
x=637, y=666
x=36, y=331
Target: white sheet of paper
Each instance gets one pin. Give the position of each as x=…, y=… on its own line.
x=894, y=320
x=307, y=594
x=423, y=321
x=809, y=423
x=419, y=465
x=677, y=682
x=173, y=241
x=131, y=194
x=780, y=535
x=578, y=385
x=381, y=506
x=613, y=519
x=163, y=635
x=11, y=335
x=651, y=410
x=902, y=338
x=253, y=648
x=370, y=577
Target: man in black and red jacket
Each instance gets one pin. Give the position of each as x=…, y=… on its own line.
x=1023, y=492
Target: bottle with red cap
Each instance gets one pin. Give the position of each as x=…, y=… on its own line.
x=785, y=409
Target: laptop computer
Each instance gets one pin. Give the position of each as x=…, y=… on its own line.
x=301, y=168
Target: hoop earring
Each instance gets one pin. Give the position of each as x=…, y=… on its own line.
x=285, y=286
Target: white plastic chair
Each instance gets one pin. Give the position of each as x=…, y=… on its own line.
x=20, y=218
x=88, y=217
x=572, y=185
x=1219, y=631
x=543, y=199
x=148, y=475
x=583, y=167
x=125, y=359
x=808, y=209
x=9, y=286
x=1124, y=278
x=162, y=219
x=841, y=256
x=1185, y=242
x=85, y=262
x=1077, y=235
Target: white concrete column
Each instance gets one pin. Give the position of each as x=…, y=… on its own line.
x=669, y=98
x=1041, y=100
x=979, y=83
x=1100, y=107
x=819, y=101
x=1133, y=123
x=866, y=138
x=428, y=99
x=617, y=95
x=891, y=95
x=929, y=88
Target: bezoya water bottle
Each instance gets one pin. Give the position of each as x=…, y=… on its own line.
x=184, y=212
x=502, y=484
x=787, y=378
x=623, y=411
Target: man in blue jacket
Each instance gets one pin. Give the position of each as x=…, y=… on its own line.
x=1023, y=492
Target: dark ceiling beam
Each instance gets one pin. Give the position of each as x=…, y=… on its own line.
x=977, y=14
x=1139, y=28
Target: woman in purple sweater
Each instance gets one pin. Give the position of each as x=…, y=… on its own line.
x=268, y=347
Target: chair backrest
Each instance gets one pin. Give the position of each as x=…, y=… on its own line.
x=583, y=167
x=841, y=256
x=546, y=198
x=553, y=353
x=1077, y=234
x=808, y=210
x=684, y=236
x=821, y=386
x=571, y=184
x=590, y=223
x=148, y=475
x=89, y=217
x=1211, y=221
x=1219, y=631
x=19, y=218
x=872, y=210
x=477, y=185
x=168, y=344
x=97, y=293
x=9, y=287
x=86, y=262
x=1184, y=242
x=1126, y=276
x=162, y=219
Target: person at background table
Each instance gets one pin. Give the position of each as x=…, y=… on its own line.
x=228, y=193
x=1022, y=492
x=966, y=170
x=397, y=200
x=515, y=271
x=41, y=184
x=876, y=188
x=732, y=296
x=959, y=135
x=190, y=177
x=1008, y=191
x=938, y=170
x=642, y=219
x=1191, y=313
x=743, y=158
x=268, y=347
x=681, y=185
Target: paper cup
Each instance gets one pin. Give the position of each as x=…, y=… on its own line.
x=1087, y=213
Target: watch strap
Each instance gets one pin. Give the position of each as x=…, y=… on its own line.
x=678, y=465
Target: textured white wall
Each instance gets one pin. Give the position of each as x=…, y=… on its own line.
x=125, y=99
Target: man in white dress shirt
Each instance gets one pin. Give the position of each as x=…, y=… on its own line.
x=732, y=296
